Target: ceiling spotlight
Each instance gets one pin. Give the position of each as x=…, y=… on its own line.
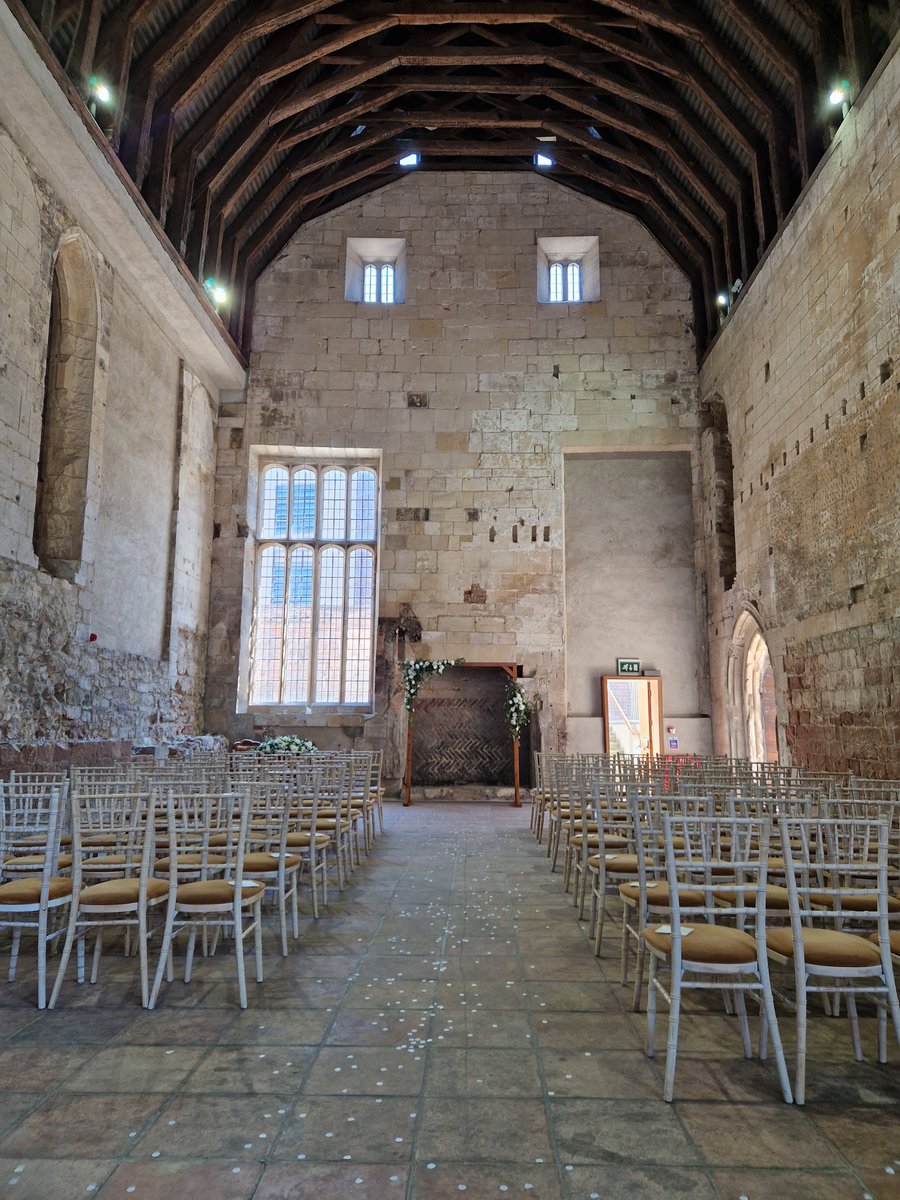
x=543, y=160
x=216, y=291
x=409, y=160
x=722, y=299
x=99, y=90
x=839, y=93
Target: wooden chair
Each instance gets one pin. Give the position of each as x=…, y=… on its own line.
x=214, y=894
x=125, y=892
x=839, y=937
x=30, y=898
x=697, y=949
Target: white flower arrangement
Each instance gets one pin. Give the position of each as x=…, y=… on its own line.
x=416, y=670
x=287, y=744
x=516, y=708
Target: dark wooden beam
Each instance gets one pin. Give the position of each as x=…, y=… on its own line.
x=80, y=60
x=857, y=43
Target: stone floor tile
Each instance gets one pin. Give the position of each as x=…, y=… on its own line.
x=161, y=1179
x=866, y=1137
x=359, y=1129
x=396, y=992
x=880, y=1184
x=176, y=1027
x=480, y=1181
x=57, y=1178
x=61, y=1026
x=143, y=1069
x=617, y=1181
x=756, y=1135
x=13, y=1021
x=634, y=1131
x=191, y=1126
x=497, y=1130
x=372, y=1027
x=276, y=1027
x=795, y=1185
x=37, y=1068
x=67, y=1125
x=365, y=1071
x=480, y=1072
x=472, y=1027
x=320, y=1181
x=602, y=1073
x=568, y=1031
x=598, y=997
x=254, y=1069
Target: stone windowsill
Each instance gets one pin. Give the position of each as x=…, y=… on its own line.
x=299, y=720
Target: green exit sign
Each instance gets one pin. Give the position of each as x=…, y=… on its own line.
x=628, y=666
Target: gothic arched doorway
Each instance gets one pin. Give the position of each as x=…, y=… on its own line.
x=752, y=716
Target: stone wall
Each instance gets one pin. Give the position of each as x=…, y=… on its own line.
x=472, y=391
x=808, y=367
x=112, y=646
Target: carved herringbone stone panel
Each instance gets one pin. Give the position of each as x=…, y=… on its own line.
x=461, y=740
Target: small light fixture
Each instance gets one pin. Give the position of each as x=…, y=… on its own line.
x=216, y=292
x=409, y=160
x=98, y=90
x=722, y=299
x=839, y=93
x=543, y=160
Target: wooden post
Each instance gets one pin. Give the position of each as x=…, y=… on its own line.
x=517, y=802
x=409, y=737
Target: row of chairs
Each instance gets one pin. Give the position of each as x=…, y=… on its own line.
x=195, y=848
x=715, y=886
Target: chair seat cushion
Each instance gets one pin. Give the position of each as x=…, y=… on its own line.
x=618, y=864
x=266, y=861
x=302, y=839
x=193, y=859
x=217, y=891
x=707, y=944
x=850, y=902
x=894, y=940
x=115, y=892
x=100, y=862
x=658, y=894
x=776, y=897
x=24, y=862
x=826, y=947
x=28, y=890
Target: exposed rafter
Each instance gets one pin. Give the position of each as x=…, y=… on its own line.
x=242, y=119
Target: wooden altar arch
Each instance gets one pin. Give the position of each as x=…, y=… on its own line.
x=513, y=671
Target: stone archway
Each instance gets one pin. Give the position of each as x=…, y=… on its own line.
x=752, y=713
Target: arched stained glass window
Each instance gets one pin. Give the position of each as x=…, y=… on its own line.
x=315, y=602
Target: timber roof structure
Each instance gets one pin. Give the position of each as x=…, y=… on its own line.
x=239, y=120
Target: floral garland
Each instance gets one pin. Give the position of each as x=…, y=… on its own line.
x=516, y=708
x=416, y=671
x=287, y=744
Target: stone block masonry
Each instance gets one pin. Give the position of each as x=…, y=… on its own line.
x=472, y=391
x=806, y=367
x=140, y=583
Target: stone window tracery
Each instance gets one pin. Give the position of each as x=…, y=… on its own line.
x=314, y=607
